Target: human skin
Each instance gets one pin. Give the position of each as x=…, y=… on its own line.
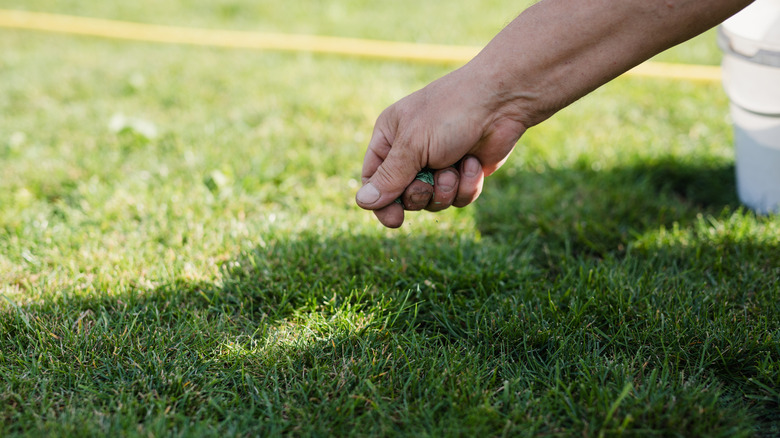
x=466, y=123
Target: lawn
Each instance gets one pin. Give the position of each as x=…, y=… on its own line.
x=180, y=253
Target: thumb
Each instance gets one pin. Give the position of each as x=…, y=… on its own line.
x=388, y=182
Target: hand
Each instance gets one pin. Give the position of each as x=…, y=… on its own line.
x=456, y=125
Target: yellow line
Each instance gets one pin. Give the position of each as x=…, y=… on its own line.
x=236, y=39
x=706, y=73
x=390, y=50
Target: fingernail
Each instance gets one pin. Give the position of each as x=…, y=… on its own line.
x=446, y=181
x=471, y=167
x=368, y=194
x=420, y=198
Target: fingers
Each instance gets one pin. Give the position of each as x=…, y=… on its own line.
x=387, y=171
x=452, y=187
x=391, y=216
x=471, y=180
x=444, y=190
x=417, y=195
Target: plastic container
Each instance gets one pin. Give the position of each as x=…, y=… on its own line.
x=750, y=41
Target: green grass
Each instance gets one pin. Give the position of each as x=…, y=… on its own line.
x=216, y=279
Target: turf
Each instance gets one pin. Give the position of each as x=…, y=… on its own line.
x=180, y=254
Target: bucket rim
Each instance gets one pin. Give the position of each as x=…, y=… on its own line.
x=765, y=53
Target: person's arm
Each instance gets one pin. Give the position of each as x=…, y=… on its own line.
x=551, y=55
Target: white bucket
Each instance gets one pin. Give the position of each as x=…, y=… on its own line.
x=750, y=41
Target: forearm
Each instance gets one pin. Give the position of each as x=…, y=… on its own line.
x=559, y=50
x=555, y=52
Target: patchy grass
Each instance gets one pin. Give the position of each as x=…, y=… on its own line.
x=180, y=253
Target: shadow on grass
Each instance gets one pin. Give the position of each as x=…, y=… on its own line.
x=679, y=220
x=301, y=333
x=356, y=334
x=538, y=328
x=584, y=212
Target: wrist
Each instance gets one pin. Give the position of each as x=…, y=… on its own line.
x=502, y=93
